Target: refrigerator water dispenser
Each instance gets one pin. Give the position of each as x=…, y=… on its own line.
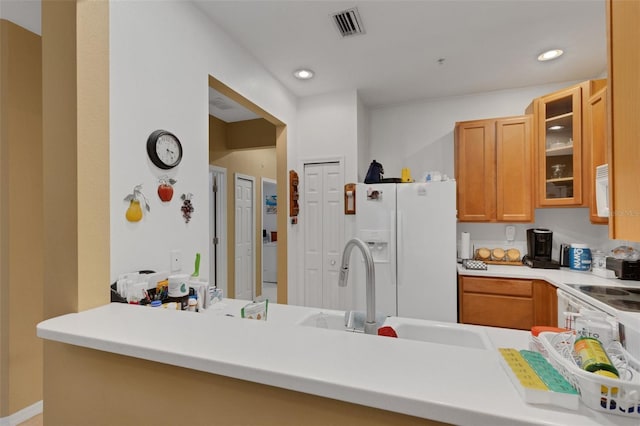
x=378, y=242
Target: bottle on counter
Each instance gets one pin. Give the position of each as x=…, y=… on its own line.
x=593, y=357
x=579, y=257
x=193, y=304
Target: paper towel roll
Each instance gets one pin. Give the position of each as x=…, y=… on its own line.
x=465, y=245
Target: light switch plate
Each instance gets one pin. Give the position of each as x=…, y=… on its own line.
x=510, y=233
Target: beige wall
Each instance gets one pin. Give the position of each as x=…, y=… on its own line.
x=75, y=129
x=21, y=269
x=250, y=134
x=257, y=161
x=113, y=389
x=75, y=61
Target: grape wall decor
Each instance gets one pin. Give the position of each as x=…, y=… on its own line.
x=187, y=207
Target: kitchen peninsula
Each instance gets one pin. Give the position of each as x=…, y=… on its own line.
x=125, y=364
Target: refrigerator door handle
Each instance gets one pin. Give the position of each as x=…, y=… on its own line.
x=393, y=243
x=399, y=247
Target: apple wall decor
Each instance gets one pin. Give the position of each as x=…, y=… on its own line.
x=165, y=188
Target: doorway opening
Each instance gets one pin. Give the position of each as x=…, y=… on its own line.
x=255, y=147
x=269, y=239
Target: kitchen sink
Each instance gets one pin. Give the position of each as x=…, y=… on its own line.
x=328, y=320
x=336, y=320
x=443, y=333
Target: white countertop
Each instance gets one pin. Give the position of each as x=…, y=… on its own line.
x=450, y=384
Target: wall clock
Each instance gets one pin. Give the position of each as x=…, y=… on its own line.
x=164, y=149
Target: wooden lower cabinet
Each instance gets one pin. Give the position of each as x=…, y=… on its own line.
x=545, y=304
x=506, y=302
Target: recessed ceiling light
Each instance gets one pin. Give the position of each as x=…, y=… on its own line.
x=556, y=127
x=303, y=74
x=550, y=54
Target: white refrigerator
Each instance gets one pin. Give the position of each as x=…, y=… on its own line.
x=410, y=229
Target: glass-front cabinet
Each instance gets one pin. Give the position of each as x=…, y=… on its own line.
x=560, y=148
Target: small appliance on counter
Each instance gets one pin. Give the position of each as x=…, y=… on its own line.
x=625, y=262
x=564, y=255
x=624, y=269
x=539, y=242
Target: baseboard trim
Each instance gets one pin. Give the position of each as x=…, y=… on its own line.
x=22, y=415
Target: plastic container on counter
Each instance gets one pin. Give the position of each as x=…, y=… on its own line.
x=579, y=257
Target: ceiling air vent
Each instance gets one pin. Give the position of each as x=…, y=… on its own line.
x=348, y=22
x=220, y=103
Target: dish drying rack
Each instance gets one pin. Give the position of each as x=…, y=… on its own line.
x=606, y=395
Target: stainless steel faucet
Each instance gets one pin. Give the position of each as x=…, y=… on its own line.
x=370, y=325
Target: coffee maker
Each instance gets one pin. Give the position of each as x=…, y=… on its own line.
x=539, y=242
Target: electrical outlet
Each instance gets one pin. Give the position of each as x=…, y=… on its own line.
x=176, y=260
x=510, y=233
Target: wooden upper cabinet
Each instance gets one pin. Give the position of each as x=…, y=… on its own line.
x=493, y=166
x=624, y=111
x=475, y=170
x=596, y=136
x=514, y=170
x=559, y=148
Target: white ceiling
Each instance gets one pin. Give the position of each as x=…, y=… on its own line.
x=226, y=109
x=486, y=45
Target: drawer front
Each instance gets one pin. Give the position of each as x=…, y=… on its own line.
x=497, y=311
x=507, y=287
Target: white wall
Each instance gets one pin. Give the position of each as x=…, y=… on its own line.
x=419, y=135
x=364, y=139
x=569, y=225
x=26, y=13
x=327, y=129
x=161, y=56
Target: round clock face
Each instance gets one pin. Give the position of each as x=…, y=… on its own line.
x=164, y=149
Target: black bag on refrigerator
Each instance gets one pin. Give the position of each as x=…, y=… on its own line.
x=375, y=172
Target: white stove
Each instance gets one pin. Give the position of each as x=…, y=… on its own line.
x=622, y=298
x=623, y=305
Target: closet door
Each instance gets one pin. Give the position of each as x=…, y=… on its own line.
x=323, y=220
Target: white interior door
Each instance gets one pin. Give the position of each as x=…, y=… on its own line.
x=324, y=235
x=218, y=227
x=312, y=211
x=245, y=237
